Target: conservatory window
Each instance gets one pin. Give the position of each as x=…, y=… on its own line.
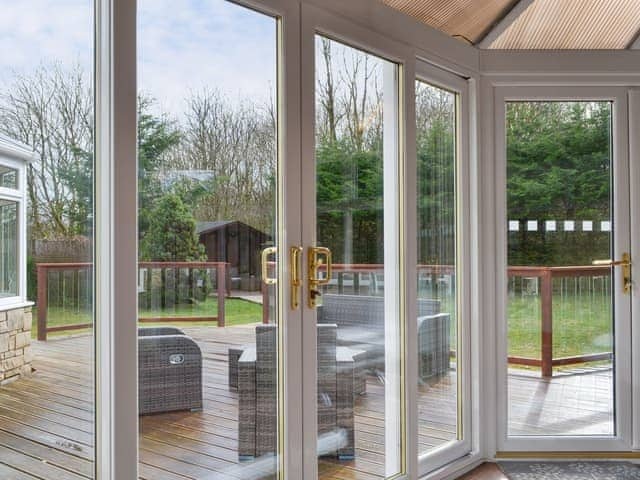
x=8, y=177
x=14, y=158
x=8, y=247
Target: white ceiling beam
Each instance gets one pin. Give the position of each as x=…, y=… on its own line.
x=505, y=23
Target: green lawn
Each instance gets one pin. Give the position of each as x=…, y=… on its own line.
x=237, y=312
x=581, y=325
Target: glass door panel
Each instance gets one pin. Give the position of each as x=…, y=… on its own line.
x=561, y=349
x=358, y=324
x=47, y=352
x=209, y=233
x=439, y=342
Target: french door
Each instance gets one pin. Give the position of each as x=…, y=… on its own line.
x=384, y=302
x=342, y=339
x=279, y=288
x=564, y=354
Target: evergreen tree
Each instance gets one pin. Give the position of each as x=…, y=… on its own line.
x=171, y=236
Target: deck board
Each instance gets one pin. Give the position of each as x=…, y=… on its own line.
x=46, y=421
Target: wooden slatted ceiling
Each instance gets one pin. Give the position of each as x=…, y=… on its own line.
x=573, y=24
x=464, y=19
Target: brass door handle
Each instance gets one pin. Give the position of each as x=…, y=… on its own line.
x=625, y=263
x=296, y=282
x=265, y=265
x=313, y=266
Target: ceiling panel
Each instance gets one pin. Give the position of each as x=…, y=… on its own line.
x=464, y=19
x=573, y=24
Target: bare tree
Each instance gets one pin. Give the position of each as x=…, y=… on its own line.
x=52, y=111
x=348, y=106
x=236, y=146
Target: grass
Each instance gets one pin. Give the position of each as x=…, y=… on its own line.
x=237, y=312
x=581, y=325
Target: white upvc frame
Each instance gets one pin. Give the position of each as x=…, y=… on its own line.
x=622, y=440
x=17, y=158
x=116, y=234
x=451, y=451
x=320, y=21
x=116, y=239
x=634, y=180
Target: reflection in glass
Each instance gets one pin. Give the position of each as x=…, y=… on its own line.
x=560, y=320
x=8, y=177
x=8, y=248
x=208, y=321
x=47, y=394
x=358, y=338
x=438, y=367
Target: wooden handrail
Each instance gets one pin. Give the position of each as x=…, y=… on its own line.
x=42, y=270
x=546, y=274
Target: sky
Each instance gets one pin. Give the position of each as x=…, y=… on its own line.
x=183, y=46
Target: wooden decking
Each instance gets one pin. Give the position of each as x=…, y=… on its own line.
x=46, y=422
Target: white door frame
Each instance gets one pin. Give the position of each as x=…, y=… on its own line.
x=116, y=64
x=622, y=441
x=116, y=237
x=634, y=180
x=317, y=20
x=451, y=451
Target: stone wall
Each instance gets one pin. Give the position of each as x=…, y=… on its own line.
x=15, y=344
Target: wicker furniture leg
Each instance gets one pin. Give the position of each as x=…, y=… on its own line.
x=327, y=383
x=434, y=345
x=344, y=405
x=266, y=390
x=247, y=405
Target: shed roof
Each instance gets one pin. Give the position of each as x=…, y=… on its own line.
x=202, y=227
x=205, y=227
x=532, y=24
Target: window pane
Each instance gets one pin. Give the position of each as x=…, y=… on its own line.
x=8, y=248
x=47, y=400
x=560, y=306
x=359, y=384
x=207, y=212
x=8, y=177
x=439, y=374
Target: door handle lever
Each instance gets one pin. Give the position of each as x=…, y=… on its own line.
x=296, y=282
x=313, y=268
x=625, y=263
x=265, y=265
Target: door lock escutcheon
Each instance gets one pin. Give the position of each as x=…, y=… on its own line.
x=315, y=268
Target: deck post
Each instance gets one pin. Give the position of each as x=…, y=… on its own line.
x=42, y=302
x=222, y=291
x=546, y=309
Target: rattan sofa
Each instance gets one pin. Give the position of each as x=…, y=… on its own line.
x=169, y=371
x=360, y=320
x=253, y=371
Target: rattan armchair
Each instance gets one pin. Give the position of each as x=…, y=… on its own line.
x=169, y=371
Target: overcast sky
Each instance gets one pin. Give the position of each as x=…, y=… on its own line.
x=184, y=45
